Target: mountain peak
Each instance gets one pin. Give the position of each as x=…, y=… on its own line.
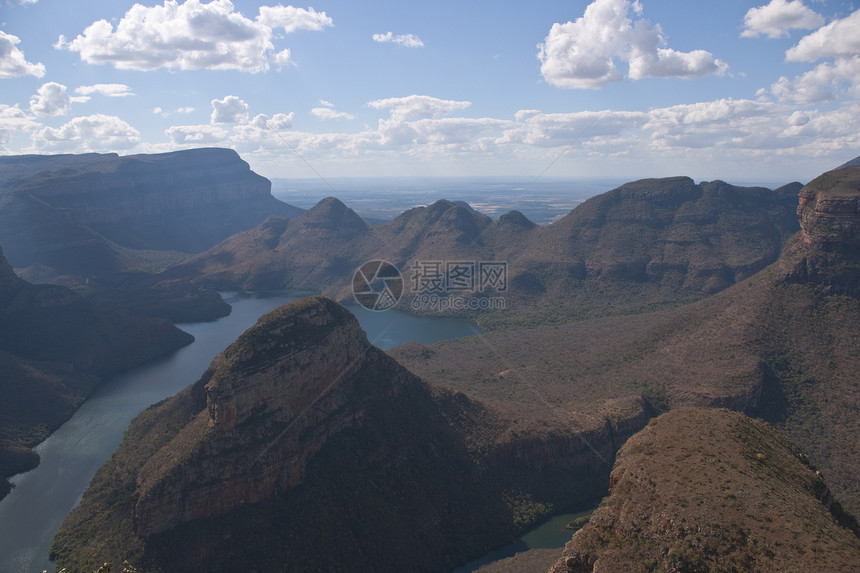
x=273, y=399
x=332, y=213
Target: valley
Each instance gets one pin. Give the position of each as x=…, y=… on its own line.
x=662, y=315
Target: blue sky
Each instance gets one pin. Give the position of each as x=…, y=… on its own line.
x=742, y=91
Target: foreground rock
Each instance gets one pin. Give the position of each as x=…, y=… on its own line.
x=713, y=490
x=303, y=446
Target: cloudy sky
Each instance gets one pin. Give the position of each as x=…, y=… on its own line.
x=736, y=90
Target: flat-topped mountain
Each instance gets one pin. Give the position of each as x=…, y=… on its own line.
x=713, y=490
x=702, y=237
x=82, y=214
x=55, y=348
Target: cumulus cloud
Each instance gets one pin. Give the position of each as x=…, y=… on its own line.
x=192, y=35
x=775, y=19
x=51, y=99
x=838, y=38
x=838, y=42
x=405, y=40
x=12, y=61
x=534, y=127
x=584, y=53
x=417, y=106
x=291, y=19
x=822, y=83
x=109, y=90
x=231, y=109
x=88, y=133
x=13, y=120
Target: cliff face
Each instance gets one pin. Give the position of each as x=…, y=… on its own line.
x=708, y=490
x=181, y=201
x=826, y=253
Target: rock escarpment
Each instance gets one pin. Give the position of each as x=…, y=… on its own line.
x=713, y=490
x=827, y=251
x=78, y=213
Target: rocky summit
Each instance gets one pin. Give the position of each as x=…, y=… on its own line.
x=303, y=430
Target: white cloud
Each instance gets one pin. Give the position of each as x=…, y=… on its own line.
x=109, y=90
x=196, y=134
x=775, y=19
x=192, y=35
x=291, y=19
x=405, y=40
x=417, y=106
x=12, y=60
x=829, y=80
x=231, y=109
x=583, y=54
x=158, y=110
x=13, y=120
x=87, y=133
x=838, y=38
x=329, y=113
x=534, y=127
x=51, y=99
x=822, y=83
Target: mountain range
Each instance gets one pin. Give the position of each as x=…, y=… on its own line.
x=303, y=446
x=649, y=243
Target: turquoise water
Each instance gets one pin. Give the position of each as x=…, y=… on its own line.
x=31, y=515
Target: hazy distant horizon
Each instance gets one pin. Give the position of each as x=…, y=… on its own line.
x=542, y=200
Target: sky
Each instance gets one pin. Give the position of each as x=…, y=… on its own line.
x=741, y=91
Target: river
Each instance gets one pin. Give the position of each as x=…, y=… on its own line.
x=33, y=512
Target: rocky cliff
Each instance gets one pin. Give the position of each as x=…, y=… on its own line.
x=713, y=490
x=827, y=251
x=61, y=210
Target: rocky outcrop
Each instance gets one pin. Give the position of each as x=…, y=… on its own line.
x=275, y=397
x=826, y=253
x=703, y=490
